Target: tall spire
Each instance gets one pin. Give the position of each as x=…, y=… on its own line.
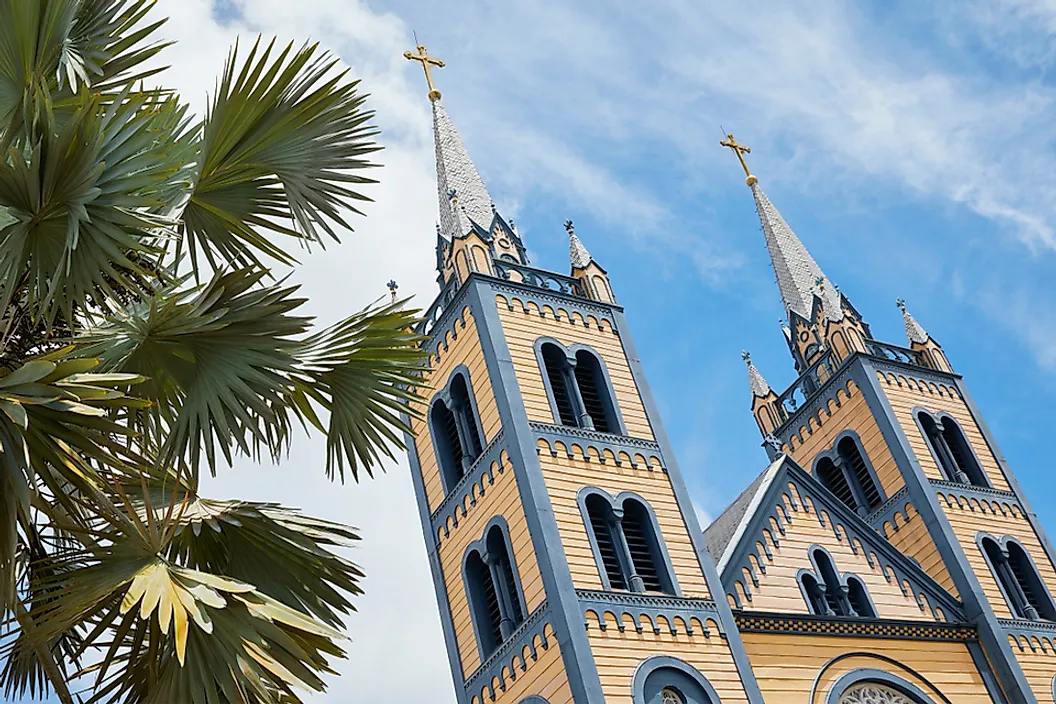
x=578, y=254
x=464, y=198
x=799, y=277
x=756, y=382
x=915, y=332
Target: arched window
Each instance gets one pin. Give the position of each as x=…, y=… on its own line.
x=494, y=596
x=456, y=434
x=875, y=693
x=829, y=594
x=833, y=478
x=579, y=390
x=1022, y=586
x=628, y=547
x=669, y=696
x=951, y=450
x=854, y=462
x=662, y=679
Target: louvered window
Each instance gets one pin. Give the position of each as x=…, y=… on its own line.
x=1030, y=582
x=836, y=601
x=493, y=592
x=460, y=399
x=961, y=453
x=858, y=598
x=486, y=603
x=867, y=489
x=448, y=444
x=637, y=528
x=556, y=373
x=815, y=599
x=832, y=477
x=599, y=512
x=594, y=392
x=500, y=557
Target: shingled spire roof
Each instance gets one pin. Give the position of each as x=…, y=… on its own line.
x=577, y=253
x=915, y=332
x=756, y=382
x=799, y=277
x=462, y=193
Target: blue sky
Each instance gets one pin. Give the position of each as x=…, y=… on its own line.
x=909, y=144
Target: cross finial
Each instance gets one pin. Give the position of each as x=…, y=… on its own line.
x=740, y=150
x=568, y=227
x=820, y=283
x=901, y=303
x=427, y=65
x=746, y=356
x=392, y=285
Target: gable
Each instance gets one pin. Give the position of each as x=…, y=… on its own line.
x=794, y=513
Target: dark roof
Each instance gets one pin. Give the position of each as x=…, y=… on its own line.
x=721, y=531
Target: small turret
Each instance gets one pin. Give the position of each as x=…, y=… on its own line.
x=763, y=397
x=591, y=276
x=920, y=341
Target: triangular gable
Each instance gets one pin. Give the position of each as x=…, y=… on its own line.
x=773, y=507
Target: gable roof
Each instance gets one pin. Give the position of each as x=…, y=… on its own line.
x=768, y=496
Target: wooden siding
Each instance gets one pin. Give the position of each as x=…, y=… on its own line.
x=786, y=665
x=522, y=329
x=618, y=654
x=778, y=588
x=501, y=499
x=819, y=434
x=545, y=676
x=1038, y=661
x=976, y=517
x=565, y=477
x=905, y=394
x=908, y=533
x=461, y=348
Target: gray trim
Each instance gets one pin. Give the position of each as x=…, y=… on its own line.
x=1002, y=463
x=657, y=662
x=939, y=418
x=983, y=665
x=977, y=608
x=439, y=584
x=576, y=654
x=630, y=604
x=503, y=660
x=480, y=546
x=869, y=674
x=570, y=353
x=689, y=515
x=618, y=502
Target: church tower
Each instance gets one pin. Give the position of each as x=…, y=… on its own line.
x=567, y=559
x=892, y=433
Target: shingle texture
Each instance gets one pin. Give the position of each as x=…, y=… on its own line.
x=455, y=172
x=578, y=254
x=914, y=331
x=723, y=529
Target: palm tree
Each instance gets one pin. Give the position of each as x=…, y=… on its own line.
x=144, y=337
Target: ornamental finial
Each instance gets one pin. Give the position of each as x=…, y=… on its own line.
x=901, y=303
x=569, y=228
x=740, y=150
x=427, y=65
x=746, y=356
x=392, y=286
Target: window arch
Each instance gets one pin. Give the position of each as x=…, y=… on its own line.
x=846, y=472
x=493, y=588
x=662, y=679
x=868, y=685
x=829, y=593
x=628, y=546
x=455, y=428
x=1018, y=578
x=951, y=449
x=578, y=387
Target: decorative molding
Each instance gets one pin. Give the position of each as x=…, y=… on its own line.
x=895, y=505
x=531, y=294
x=474, y=484
x=909, y=371
x=503, y=662
x=620, y=604
x=970, y=491
x=600, y=443
x=1031, y=635
x=758, y=622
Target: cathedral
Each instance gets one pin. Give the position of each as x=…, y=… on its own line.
x=885, y=555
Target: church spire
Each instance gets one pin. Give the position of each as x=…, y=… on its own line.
x=464, y=199
x=577, y=253
x=915, y=332
x=756, y=382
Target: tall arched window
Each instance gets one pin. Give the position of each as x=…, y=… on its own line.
x=494, y=594
x=833, y=478
x=629, y=549
x=579, y=390
x=828, y=593
x=453, y=424
x=854, y=462
x=1022, y=586
x=951, y=450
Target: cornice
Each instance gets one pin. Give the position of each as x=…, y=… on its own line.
x=805, y=624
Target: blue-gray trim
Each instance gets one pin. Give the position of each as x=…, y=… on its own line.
x=652, y=606
x=439, y=585
x=570, y=353
x=471, y=486
x=444, y=395
x=854, y=528
x=582, y=671
x=870, y=674
x=983, y=666
x=939, y=418
x=977, y=608
x=533, y=699
x=503, y=661
x=618, y=501
x=480, y=546
x=657, y=662
x=1010, y=477
x=1002, y=542
x=689, y=515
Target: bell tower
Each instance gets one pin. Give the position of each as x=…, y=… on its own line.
x=924, y=471
x=566, y=556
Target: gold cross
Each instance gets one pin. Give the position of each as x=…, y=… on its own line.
x=740, y=150
x=427, y=64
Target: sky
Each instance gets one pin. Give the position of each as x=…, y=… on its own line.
x=908, y=143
